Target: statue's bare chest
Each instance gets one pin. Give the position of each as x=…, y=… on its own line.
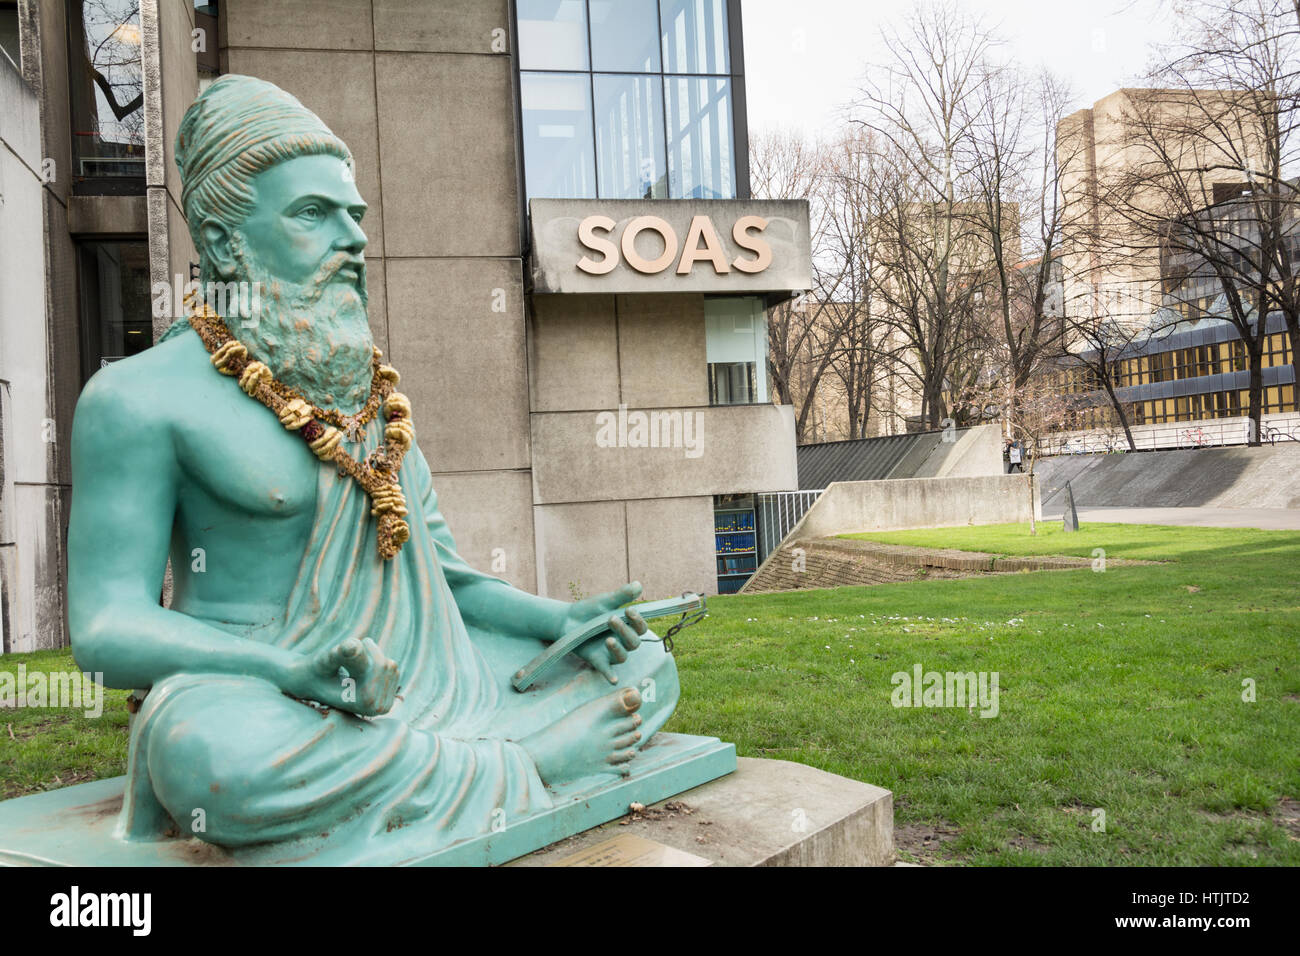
x=240, y=460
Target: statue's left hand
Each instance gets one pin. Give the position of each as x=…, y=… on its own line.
x=628, y=626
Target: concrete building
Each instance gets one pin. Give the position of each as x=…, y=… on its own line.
x=1114, y=164
x=586, y=398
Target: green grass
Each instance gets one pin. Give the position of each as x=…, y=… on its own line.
x=1148, y=542
x=1119, y=690
x=43, y=748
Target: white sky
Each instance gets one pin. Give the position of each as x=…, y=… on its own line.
x=804, y=59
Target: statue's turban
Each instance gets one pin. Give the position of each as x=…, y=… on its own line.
x=239, y=126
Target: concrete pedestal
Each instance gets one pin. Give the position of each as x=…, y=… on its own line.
x=767, y=813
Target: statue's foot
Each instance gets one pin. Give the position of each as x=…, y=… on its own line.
x=599, y=736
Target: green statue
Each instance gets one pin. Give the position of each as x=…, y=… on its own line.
x=328, y=665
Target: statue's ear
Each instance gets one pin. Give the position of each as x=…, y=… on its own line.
x=216, y=243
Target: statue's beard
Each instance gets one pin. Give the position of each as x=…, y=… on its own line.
x=314, y=336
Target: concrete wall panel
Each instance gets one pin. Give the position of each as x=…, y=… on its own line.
x=464, y=365
x=440, y=26
x=738, y=449
x=670, y=546
x=447, y=147
x=661, y=351
x=491, y=518
x=298, y=24
x=581, y=548
x=574, y=353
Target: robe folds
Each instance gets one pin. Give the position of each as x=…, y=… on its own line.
x=235, y=761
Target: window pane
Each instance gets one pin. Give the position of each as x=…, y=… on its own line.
x=700, y=160
x=559, y=158
x=694, y=36
x=625, y=35
x=630, y=138
x=116, y=310
x=9, y=32
x=552, y=34
x=107, y=95
x=735, y=348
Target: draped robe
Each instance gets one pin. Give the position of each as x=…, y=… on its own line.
x=235, y=761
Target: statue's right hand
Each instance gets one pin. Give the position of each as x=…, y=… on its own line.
x=368, y=688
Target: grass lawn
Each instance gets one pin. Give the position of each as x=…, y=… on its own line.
x=1119, y=690
x=44, y=749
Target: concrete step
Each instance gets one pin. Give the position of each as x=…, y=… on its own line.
x=767, y=813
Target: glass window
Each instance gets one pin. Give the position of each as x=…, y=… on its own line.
x=630, y=138
x=700, y=160
x=694, y=36
x=553, y=35
x=559, y=156
x=9, y=31
x=735, y=345
x=107, y=96
x=655, y=136
x=625, y=36
x=116, y=309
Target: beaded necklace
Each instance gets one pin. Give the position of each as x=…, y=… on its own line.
x=323, y=429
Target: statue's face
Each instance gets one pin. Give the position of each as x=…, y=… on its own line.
x=307, y=209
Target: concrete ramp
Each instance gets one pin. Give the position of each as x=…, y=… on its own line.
x=1240, y=477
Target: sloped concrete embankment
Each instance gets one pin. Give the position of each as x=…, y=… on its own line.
x=847, y=562
x=1266, y=477
x=847, y=507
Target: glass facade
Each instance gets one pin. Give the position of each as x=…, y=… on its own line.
x=626, y=99
x=1192, y=363
x=107, y=96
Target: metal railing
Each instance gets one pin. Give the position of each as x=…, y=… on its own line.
x=1205, y=433
x=778, y=513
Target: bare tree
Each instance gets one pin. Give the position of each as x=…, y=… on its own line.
x=1207, y=195
x=921, y=105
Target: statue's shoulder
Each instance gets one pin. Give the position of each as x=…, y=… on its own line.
x=153, y=388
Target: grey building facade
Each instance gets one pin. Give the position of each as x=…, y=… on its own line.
x=580, y=430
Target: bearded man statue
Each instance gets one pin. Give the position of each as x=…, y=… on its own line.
x=329, y=670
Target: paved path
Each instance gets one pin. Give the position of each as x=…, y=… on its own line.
x=1280, y=519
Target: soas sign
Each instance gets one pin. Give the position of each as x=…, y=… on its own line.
x=702, y=244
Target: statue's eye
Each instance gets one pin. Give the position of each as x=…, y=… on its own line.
x=310, y=213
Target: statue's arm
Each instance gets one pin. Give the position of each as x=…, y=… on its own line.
x=126, y=476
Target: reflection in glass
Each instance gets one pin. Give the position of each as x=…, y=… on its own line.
x=630, y=138
x=9, y=32
x=116, y=309
x=735, y=349
x=552, y=34
x=107, y=94
x=694, y=36
x=701, y=163
x=559, y=156
x=625, y=36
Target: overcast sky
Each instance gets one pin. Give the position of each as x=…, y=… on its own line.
x=804, y=59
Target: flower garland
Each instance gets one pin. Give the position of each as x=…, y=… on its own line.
x=377, y=473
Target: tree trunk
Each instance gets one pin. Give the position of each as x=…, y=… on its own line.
x=1256, y=360
x=1119, y=411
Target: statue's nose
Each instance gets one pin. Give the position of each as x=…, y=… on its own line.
x=353, y=238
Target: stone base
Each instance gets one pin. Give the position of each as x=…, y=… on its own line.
x=75, y=826
x=767, y=813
